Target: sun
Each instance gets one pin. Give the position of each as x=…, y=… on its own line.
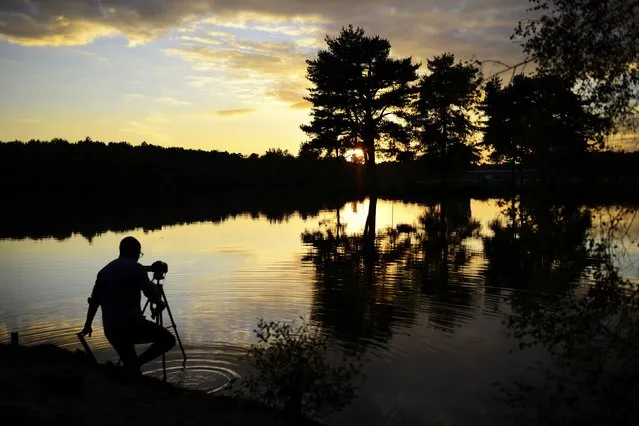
x=354, y=155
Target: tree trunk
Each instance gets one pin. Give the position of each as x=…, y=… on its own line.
x=443, y=145
x=444, y=167
x=371, y=167
x=444, y=242
x=369, y=240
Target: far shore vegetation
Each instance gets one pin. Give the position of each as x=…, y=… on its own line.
x=86, y=169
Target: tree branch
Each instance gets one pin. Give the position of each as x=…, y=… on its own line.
x=507, y=67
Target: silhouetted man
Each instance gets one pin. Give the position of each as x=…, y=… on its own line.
x=117, y=289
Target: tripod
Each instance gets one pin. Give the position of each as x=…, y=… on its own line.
x=160, y=321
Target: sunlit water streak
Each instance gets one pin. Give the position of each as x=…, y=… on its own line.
x=432, y=348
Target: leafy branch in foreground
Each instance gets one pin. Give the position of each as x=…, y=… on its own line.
x=293, y=371
x=593, y=43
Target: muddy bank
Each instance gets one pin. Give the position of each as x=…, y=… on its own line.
x=48, y=385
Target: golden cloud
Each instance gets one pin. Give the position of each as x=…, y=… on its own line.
x=291, y=92
x=274, y=69
x=232, y=112
x=204, y=40
x=303, y=104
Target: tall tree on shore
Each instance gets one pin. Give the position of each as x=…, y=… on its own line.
x=443, y=111
x=506, y=126
x=538, y=121
x=592, y=43
x=358, y=97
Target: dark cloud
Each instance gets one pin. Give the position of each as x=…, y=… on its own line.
x=415, y=27
x=81, y=21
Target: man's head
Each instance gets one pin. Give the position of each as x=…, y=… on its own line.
x=130, y=248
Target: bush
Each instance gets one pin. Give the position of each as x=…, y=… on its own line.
x=292, y=371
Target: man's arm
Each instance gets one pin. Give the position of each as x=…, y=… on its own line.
x=94, y=303
x=93, y=309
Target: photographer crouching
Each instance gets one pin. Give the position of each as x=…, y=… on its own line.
x=117, y=289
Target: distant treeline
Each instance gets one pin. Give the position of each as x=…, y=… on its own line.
x=90, y=169
x=58, y=172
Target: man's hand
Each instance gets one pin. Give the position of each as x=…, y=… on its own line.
x=86, y=330
x=159, y=306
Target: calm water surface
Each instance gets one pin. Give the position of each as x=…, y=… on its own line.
x=423, y=297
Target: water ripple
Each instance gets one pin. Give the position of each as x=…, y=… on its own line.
x=210, y=370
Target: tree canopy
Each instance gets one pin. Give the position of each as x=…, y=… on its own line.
x=538, y=120
x=443, y=109
x=592, y=43
x=358, y=97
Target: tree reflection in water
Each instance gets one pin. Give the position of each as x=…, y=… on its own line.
x=439, y=258
x=368, y=281
x=591, y=331
x=557, y=272
x=540, y=249
x=352, y=300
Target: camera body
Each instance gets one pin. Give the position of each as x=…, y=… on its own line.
x=158, y=268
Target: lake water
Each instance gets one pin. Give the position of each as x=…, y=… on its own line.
x=423, y=298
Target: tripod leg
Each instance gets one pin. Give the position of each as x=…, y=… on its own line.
x=168, y=309
x=159, y=321
x=145, y=306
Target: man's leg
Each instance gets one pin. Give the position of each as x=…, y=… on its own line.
x=123, y=345
x=160, y=338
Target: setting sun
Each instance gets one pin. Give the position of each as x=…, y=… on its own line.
x=354, y=155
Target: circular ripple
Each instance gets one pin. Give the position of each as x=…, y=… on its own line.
x=209, y=375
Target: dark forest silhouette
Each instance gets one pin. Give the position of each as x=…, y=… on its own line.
x=148, y=170
x=59, y=168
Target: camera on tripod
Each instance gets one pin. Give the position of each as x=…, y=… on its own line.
x=158, y=268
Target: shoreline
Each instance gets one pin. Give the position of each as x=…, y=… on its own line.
x=46, y=384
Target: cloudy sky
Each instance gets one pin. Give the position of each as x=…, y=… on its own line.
x=207, y=74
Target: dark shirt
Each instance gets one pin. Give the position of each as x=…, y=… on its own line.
x=117, y=289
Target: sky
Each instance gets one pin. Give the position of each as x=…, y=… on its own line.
x=227, y=75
